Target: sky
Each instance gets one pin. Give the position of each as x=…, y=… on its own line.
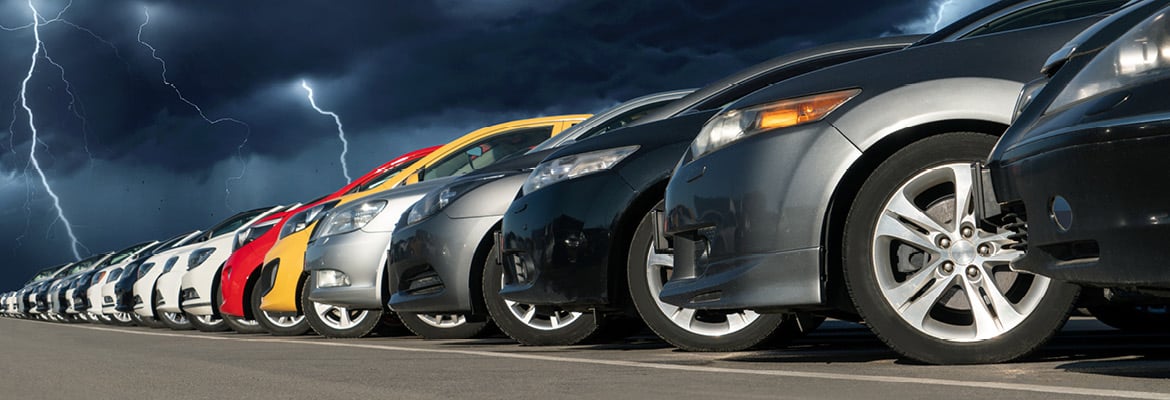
x=158, y=117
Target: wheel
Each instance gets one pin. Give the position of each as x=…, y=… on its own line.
x=278, y=324
x=529, y=324
x=339, y=322
x=119, y=318
x=926, y=279
x=697, y=330
x=238, y=324
x=445, y=326
x=175, y=321
x=1134, y=318
x=208, y=323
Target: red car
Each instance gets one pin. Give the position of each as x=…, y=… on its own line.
x=241, y=271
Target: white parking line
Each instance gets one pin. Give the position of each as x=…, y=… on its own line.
x=688, y=368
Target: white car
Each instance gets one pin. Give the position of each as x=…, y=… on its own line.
x=145, y=299
x=109, y=271
x=212, y=248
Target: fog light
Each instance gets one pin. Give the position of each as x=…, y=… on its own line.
x=1061, y=212
x=331, y=278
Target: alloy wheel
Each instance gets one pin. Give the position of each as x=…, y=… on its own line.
x=283, y=320
x=939, y=271
x=659, y=267
x=340, y=318
x=542, y=318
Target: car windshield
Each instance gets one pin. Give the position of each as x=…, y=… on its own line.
x=123, y=255
x=381, y=178
x=487, y=152
x=611, y=124
x=235, y=222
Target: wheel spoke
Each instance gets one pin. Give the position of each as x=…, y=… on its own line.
x=683, y=316
x=963, y=191
x=900, y=294
x=992, y=311
x=344, y=318
x=528, y=314
x=553, y=320
x=890, y=226
x=916, y=312
x=737, y=321
x=658, y=260
x=901, y=206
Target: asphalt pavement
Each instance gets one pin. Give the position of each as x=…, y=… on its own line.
x=43, y=360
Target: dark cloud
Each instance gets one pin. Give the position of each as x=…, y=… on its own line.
x=402, y=75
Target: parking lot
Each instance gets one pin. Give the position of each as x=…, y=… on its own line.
x=841, y=360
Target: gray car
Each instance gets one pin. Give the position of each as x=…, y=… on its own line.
x=861, y=207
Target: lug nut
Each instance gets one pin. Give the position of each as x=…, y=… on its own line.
x=967, y=231
x=944, y=242
x=972, y=271
x=948, y=267
x=984, y=250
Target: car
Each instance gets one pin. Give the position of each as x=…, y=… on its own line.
x=109, y=271
x=123, y=290
x=183, y=290
x=57, y=296
x=147, y=299
x=242, y=273
x=33, y=293
x=24, y=301
x=567, y=237
x=446, y=238
x=850, y=194
x=1075, y=177
x=285, y=261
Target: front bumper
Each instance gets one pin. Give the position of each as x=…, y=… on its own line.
x=283, y=267
x=167, y=288
x=1120, y=208
x=195, y=288
x=236, y=274
x=358, y=254
x=748, y=220
x=561, y=236
x=431, y=264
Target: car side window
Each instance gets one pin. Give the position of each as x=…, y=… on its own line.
x=487, y=151
x=1045, y=13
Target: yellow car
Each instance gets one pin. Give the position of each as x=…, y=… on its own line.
x=284, y=263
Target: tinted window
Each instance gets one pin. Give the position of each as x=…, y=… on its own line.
x=380, y=179
x=622, y=120
x=235, y=223
x=1046, y=13
x=114, y=274
x=487, y=151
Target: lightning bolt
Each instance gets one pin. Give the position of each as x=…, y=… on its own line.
x=938, y=18
x=179, y=93
x=340, y=130
x=32, y=153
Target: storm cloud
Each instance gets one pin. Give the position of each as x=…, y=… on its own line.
x=402, y=75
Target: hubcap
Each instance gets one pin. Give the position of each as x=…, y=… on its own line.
x=209, y=319
x=941, y=273
x=541, y=318
x=176, y=318
x=283, y=320
x=339, y=317
x=443, y=320
x=705, y=323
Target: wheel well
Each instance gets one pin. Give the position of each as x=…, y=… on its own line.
x=304, y=279
x=836, y=294
x=619, y=249
x=215, y=288
x=249, y=286
x=475, y=280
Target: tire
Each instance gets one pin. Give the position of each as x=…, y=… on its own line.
x=175, y=321
x=277, y=324
x=338, y=322
x=120, y=319
x=534, y=325
x=208, y=323
x=1134, y=318
x=239, y=324
x=691, y=330
x=947, y=311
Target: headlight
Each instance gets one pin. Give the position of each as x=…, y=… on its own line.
x=349, y=219
x=247, y=235
x=144, y=269
x=299, y=221
x=573, y=166
x=732, y=125
x=437, y=200
x=198, y=257
x=1142, y=54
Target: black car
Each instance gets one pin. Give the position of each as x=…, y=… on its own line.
x=847, y=192
x=1078, y=176
x=578, y=231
